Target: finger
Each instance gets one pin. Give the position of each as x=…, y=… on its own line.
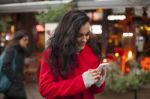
x=95, y=73
x=96, y=80
x=93, y=70
x=96, y=77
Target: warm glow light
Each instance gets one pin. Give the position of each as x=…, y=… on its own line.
x=100, y=10
x=130, y=54
x=2, y=44
x=12, y=28
x=116, y=54
x=40, y=28
x=141, y=27
x=8, y=37
x=110, y=40
x=104, y=60
x=116, y=17
x=96, y=16
x=127, y=34
x=145, y=63
x=96, y=29
x=147, y=28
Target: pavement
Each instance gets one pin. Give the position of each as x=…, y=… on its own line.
x=31, y=91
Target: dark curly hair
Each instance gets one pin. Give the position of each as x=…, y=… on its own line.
x=62, y=57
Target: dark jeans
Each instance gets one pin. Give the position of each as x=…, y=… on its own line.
x=16, y=91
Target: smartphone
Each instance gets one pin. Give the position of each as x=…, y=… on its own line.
x=102, y=65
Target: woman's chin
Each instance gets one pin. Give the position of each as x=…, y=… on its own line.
x=81, y=47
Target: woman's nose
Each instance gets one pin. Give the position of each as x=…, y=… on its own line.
x=84, y=38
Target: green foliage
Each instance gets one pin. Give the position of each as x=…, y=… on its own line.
x=2, y=26
x=131, y=81
x=3, y=23
x=145, y=77
x=53, y=14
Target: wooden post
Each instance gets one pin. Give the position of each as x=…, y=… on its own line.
x=104, y=31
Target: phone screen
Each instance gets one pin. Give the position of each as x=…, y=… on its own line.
x=102, y=65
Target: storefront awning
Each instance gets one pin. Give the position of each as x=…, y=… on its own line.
x=81, y=4
x=94, y=4
x=30, y=6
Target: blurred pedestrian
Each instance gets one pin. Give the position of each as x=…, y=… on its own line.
x=69, y=64
x=20, y=42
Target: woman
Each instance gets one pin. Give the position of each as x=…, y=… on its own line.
x=69, y=64
x=20, y=42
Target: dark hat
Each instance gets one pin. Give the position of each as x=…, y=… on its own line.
x=20, y=34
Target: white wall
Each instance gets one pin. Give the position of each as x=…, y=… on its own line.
x=49, y=30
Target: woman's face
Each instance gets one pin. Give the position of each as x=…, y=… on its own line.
x=24, y=41
x=83, y=36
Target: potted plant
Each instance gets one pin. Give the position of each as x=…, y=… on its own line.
x=127, y=85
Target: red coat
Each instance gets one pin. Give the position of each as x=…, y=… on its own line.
x=72, y=88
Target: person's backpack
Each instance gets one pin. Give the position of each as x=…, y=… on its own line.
x=4, y=81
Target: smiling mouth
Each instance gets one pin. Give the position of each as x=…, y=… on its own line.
x=82, y=44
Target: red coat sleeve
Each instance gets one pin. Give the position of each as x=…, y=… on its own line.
x=51, y=89
x=96, y=89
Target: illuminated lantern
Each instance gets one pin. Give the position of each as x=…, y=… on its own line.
x=40, y=28
x=145, y=63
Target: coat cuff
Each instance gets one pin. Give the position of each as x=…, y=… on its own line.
x=87, y=79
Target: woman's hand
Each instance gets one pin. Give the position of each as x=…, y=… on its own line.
x=90, y=77
x=102, y=77
x=95, y=75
